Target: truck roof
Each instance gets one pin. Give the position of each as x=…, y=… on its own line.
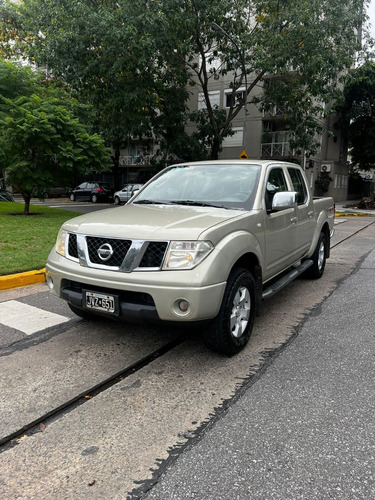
x=250, y=161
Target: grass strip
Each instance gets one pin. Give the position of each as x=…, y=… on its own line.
x=26, y=240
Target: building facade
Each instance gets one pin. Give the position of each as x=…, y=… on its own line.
x=267, y=136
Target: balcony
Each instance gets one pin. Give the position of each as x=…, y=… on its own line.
x=276, y=150
x=134, y=160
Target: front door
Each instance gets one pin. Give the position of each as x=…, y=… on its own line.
x=280, y=228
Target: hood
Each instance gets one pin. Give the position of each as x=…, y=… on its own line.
x=151, y=222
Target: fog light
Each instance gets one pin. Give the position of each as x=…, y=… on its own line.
x=183, y=305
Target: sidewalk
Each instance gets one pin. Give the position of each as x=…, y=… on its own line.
x=305, y=429
x=349, y=207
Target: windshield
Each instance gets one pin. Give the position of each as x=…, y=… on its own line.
x=218, y=185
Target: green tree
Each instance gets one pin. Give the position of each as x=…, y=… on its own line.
x=110, y=53
x=42, y=140
x=358, y=115
x=127, y=57
x=305, y=44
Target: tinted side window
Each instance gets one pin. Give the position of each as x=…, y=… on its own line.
x=83, y=185
x=276, y=182
x=298, y=185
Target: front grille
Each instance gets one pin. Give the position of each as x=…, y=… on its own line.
x=119, y=247
x=151, y=257
x=154, y=255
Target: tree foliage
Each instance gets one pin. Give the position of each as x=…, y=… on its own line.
x=358, y=115
x=42, y=141
x=305, y=44
x=110, y=53
x=132, y=60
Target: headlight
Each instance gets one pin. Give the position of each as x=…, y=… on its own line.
x=186, y=254
x=60, y=242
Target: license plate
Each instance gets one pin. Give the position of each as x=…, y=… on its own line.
x=100, y=302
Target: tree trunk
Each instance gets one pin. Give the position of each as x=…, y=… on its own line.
x=26, y=198
x=215, y=149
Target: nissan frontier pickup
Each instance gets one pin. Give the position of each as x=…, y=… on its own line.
x=200, y=242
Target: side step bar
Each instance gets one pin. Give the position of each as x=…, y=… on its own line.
x=286, y=279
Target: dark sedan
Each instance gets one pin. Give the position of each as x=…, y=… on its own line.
x=92, y=191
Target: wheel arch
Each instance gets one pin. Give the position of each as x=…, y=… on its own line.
x=250, y=262
x=325, y=230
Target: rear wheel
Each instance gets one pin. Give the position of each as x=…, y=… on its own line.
x=94, y=198
x=319, y=258
x=231, y=329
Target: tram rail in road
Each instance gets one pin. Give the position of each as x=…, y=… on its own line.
x=112, y=404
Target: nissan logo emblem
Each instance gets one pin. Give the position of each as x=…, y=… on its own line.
x=105, y=252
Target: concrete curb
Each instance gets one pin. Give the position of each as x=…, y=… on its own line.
x=22, y=279
x=353, y=214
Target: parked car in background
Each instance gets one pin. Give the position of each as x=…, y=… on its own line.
x=126, y=193
x=92, y=191
x=56, y=192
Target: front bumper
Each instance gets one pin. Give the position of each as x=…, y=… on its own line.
x=153, y=295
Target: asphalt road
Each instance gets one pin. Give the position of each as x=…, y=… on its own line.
x=98, y=409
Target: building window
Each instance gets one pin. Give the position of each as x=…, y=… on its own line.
x=237, y=97
x=235, y=139
x=213, y=62
x=214, y=97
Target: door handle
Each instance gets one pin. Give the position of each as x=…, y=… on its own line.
x=311, y=213
x=293, y=220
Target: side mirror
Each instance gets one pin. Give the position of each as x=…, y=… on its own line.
x=283, y=200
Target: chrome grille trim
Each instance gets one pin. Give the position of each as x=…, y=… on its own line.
x=151, y=252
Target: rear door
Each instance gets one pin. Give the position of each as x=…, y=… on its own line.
x=305, y=211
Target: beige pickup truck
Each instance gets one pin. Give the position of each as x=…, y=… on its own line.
x=200, y=242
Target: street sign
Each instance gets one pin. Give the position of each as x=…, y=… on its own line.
x=243, y=155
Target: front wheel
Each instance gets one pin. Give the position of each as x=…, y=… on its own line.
x=319, y=258
x=117, y=200
x=72, y=197
x=231, y=329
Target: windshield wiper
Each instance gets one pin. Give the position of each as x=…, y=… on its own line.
x=197, y=203
x=152, y=202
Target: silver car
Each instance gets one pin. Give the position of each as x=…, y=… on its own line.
x=126, y=193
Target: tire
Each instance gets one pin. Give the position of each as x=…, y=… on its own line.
x=117, y=200
x=231, y=329
x=319, y=258
x=94, y=198
x=82, y=313
x=72, y=197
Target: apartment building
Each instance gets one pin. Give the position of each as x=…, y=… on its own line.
x=266, y=135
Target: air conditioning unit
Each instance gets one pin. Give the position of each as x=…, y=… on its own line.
x=325, y=167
